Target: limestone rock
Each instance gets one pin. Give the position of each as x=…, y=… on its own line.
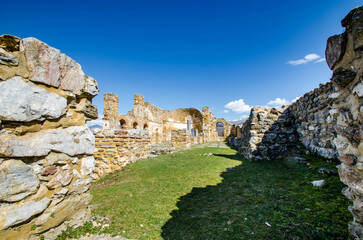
x=335, y=49
x=42, y=61
x=15, y=214
x=9, y=60
x=342, y=77
x=24, y=101
x=72, y=141
x=17, y=181
x=49, y=171
x=91, y=87
x=318, y=183
x=86, y=107
x=62, y=179
x=87, y=165
x=72, y=76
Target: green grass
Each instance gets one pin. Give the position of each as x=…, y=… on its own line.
x=187, y=195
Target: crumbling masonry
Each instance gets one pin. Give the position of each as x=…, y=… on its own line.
x=46, y=150
x=327, y=120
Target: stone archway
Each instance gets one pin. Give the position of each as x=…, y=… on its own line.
x=135, y=125
x=220, y=129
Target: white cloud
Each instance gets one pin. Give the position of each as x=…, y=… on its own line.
x=225, y=111
x=238, y=106
x=295, y=99
x=97, y=121
x=308, y=58
x=320, y=60
x=278, y=102
x=311, y=57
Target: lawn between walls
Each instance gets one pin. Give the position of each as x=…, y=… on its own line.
x=188, y=195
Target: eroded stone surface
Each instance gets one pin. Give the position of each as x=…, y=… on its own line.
x=24, y=101
x=17, y=181
x=16, y=214
x=335, y=49
x=42, y=61
x=72, y=141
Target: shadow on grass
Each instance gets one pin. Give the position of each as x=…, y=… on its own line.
x=261, y=200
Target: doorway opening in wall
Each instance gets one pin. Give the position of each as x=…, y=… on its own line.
x=145, y=126
x=134, y=126
x=220, y=129
x=122, y=124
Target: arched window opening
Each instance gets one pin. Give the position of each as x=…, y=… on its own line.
x=220, y=129
x=145, y=126
x=134, y=126
x=122, y=124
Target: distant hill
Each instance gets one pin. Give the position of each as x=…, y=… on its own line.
x=239, y=121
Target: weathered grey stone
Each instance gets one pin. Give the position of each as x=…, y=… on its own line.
x=24, y=101
x=15, y=214
x=342, y=77
x=359, y=89
x=87, y=165
x=8, y=60
x=91, y=87
x=17, y=181
x=61, y=180
x=335, y=49
x=86, y=107
x=318, y=183
x=42, y=61
x=72, y=76
x=80, y=186
x=72, y=141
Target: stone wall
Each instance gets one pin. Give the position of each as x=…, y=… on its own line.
x=117, y=148
x=316, y=119
x=180, y=139
x=344, y=54
x=268, y=133
x=45, y=146
x=327, y=120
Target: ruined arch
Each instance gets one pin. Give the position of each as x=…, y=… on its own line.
x=220, y=129
x=135, y=125
x=145, y=126
x=123, y=122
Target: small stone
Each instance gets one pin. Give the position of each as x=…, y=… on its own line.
x=87, y=165
x=49, y=171
x=8, y=60
x=62, y=179
x=318, y=183
x=342, y=77
x=327, y=171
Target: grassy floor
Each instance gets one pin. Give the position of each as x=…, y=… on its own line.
x=188, y=195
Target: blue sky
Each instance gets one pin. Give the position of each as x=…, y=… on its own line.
x=189, y=53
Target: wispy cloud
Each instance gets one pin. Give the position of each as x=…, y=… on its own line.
x=238, y=106
x=320, y=60
x=278, y=102
x=225, y=111
x=312, y=57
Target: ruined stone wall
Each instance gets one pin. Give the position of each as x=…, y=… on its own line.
x=327, y=120
x=180, y=139
x=268, y=133
x=45, y=146
x=344, y=54
x=117, y=148
x=316, y=119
